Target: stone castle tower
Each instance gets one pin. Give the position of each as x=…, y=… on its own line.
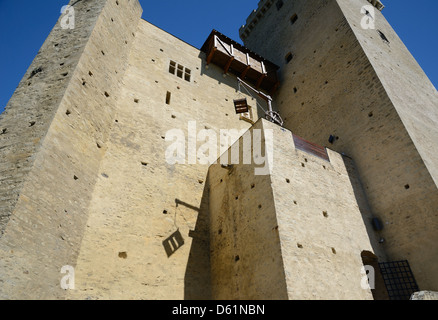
x=352, y=169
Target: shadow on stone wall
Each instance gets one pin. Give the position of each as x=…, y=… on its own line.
x=364, y=207
x=197, y=281
x=173, y=243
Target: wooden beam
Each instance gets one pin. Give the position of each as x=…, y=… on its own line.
x=210, y=55
x=259, y=82
x=228, y=65
x=274, y=89
x=243, y=75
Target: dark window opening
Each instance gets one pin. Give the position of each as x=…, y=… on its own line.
x=172, y=67
x=289, y=57
x=187, y=74
x=168, y=96
x=332, y=139
x=294, y=19
x=180, y=71
x=382, y=35
x=279, y=4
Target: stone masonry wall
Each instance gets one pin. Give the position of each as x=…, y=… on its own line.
x=246, y=255
x=147, y=236
x=85, y=181
x=73, y=103
x=30, y=111
x=342, y=82
x=296, y=233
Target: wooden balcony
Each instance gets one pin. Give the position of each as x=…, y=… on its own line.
x=233, y=57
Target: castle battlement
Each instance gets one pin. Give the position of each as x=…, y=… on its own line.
x=254, y=17
x=265, y=5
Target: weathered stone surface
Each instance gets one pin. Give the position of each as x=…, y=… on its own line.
x=84, y=179
x=372, y=95
x=145, y=203
x=58, y=157
x=425, y=295
x=286, y=235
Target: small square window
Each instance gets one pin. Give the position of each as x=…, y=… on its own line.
x=180, y=71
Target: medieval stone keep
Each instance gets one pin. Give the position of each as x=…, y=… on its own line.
x=302, y=164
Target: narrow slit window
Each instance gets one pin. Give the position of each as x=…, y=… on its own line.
x=289, y=57
x=279, y=4
x=168, y=96
x=172, y=67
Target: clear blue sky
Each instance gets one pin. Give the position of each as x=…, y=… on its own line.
x=25, y=24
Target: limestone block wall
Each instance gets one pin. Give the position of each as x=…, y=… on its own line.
x=373, y=98
x=246, y=255
x=68, y=96
x=296, y=233
x=415, y=100
x=147, y=236
x=410, y=90
x=30, y=111
x=85, y=181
